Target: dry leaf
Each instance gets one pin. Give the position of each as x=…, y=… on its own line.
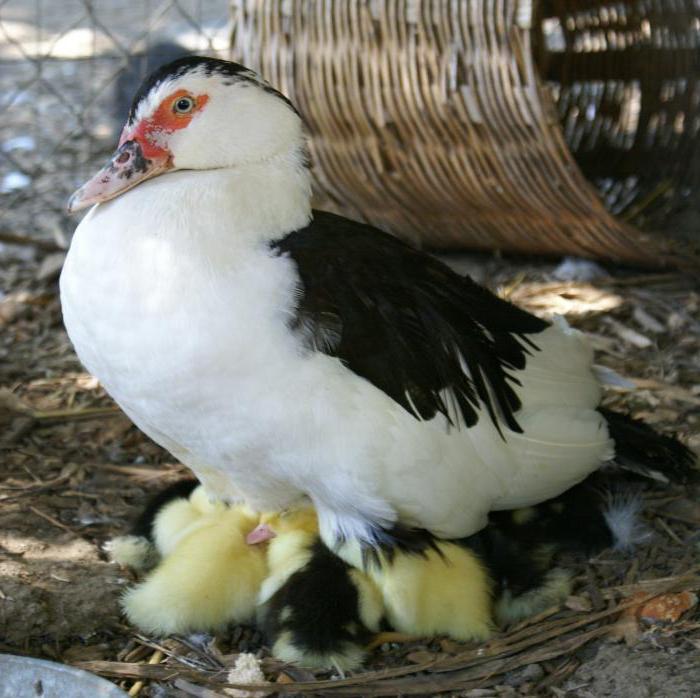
x=667, y=608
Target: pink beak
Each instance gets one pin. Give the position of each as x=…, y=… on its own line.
x=260, y=534
x=126, y=168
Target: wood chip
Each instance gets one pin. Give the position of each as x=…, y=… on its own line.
x=627, y=627
x=579, y=603
x=649, y=323
x=51, y=266
x=628, y=335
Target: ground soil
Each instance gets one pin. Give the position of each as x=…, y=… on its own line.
x=75, y=472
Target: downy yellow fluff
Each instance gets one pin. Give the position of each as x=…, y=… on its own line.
x=181, y=516
x=440, y=593
x=209, y=575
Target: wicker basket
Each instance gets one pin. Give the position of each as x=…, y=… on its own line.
x=430, y=119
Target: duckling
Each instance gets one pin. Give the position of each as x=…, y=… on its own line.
x=315, y=609
x=431, y=587
x=138, y=550
x=208, y=576
x=524, y=579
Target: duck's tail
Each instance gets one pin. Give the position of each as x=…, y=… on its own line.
x=641, y=450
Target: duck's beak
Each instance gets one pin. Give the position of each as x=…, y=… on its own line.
x=261, y=533
x=130, y=165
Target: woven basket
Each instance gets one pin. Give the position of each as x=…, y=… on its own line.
x=430, y=119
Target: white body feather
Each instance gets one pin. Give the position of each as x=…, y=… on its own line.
x=173, y=300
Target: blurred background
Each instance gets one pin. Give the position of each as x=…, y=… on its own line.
x=68, y=69
x=464, y=125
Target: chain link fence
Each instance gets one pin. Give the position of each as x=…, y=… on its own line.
x=68, y=69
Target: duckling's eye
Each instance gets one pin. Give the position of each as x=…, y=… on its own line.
x=183, y=105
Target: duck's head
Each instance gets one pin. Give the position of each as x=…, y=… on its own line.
x=196, y=114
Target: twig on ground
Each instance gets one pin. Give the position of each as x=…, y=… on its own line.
x=53, y=521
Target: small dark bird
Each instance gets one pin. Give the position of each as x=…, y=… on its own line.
x=315, y=609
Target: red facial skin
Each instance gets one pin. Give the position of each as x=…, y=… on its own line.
x=142, y=153
x=164, y=120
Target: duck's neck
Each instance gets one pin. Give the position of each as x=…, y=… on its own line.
x=273, y=197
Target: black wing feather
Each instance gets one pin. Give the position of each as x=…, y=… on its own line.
x=406, y=322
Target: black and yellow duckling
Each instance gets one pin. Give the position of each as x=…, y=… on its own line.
x=207, y=576
x=314, y=608
x=529, y=551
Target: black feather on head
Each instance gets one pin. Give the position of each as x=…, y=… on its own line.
x=234, y=73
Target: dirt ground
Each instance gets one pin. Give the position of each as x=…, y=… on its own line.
x=75, y=471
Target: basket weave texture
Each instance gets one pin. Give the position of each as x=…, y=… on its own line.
x=430, y=119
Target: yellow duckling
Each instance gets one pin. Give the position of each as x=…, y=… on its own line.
x=436, y=588
x=208, y=576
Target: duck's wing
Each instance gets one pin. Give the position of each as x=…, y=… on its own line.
x=432, y=340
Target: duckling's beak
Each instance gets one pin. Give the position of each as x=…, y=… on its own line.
x=260, y=534
x=128, y=167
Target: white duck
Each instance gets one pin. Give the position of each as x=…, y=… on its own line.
x=285, y=354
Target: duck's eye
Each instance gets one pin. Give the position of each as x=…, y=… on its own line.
x=183, y=105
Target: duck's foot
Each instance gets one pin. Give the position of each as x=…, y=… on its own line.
x=390, y=637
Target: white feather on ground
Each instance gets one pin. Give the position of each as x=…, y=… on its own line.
x=623, y=516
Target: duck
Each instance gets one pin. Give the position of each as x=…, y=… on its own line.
x=203, y=574
x=286, y=354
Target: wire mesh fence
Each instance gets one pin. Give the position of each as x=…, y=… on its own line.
x=68, y=69
x=624, y=77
